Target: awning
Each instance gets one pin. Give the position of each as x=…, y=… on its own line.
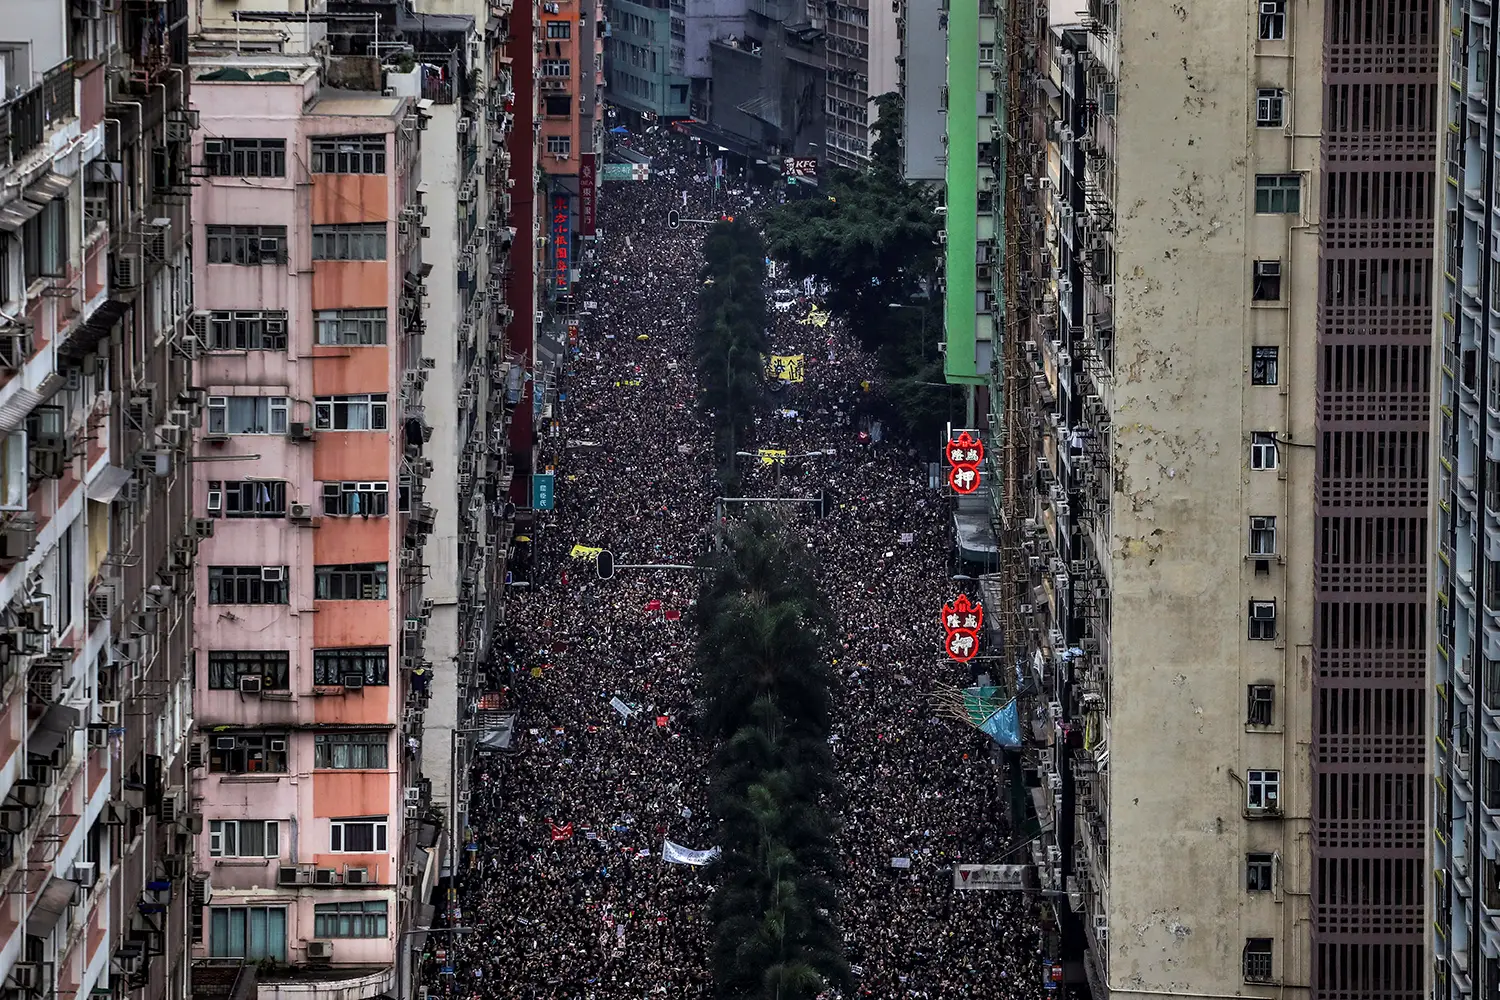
x=56, y=724
x=87, y=335
x=496, y=731
x=107, y=484
x=17, y=213
x=49, y=187
x=975, y=537
x=13, y=411
x=50, y=906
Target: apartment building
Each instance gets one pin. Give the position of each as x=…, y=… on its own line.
x=1212, y=573
x=95, y=534
x=1465, y=881
x=861, y=43
x=646, y=57
x=312, y=470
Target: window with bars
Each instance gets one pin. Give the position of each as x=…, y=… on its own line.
x=351, y=751
x=349, y=154
x=247, y=753
x=249, y=246
x=246, y=498
x=351, y=919
x=226, y=667
x=247, y=585
x=557, y=67
x=356, y=499
x=245, y=157
x=248, y=414
x=247, y=331
x=350, y=582
x=354, y=241
x=244, y=838
x=350, y=327
x=1257, y=956
x=365, y=412
x=371, y=664
x=559, y=145
x=1265, y=365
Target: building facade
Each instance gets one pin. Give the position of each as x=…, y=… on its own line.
x=96, y=537
x=1208, y=570
x=645, y=58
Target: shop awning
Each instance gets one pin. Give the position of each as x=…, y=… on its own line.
x=48, y=188
x=16, y=214
x=496, y=731
x=105, y=486
x=58, y=722
x=51, y=905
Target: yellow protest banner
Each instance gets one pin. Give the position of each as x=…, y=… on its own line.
x=770, y=456
x=814, y=317
x=583, y=552
x=785, y=367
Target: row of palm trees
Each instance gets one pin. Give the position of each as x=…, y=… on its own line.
x=763, y=662
x=731, y=340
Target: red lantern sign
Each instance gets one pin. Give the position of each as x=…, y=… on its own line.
x=961, y=621
x=965, y=452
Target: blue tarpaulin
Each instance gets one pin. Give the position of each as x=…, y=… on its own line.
x=1004, y=727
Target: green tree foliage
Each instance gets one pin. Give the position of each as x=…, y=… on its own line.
x=767, y=706
x=731, y=332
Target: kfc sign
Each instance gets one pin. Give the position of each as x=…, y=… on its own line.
x=965, y=452
x=799, y=166
x=961, y=621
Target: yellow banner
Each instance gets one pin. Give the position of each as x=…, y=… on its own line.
x=770, y=456
x=785, y=367
x=814, y=317
x=584, y=552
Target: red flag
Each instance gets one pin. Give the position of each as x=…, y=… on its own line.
x=662, y=720
x=672, y=616
x=561, y=832
x=653, y=605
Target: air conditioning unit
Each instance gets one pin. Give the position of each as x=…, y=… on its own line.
x=299, y=431
x=251, y=683
x=109, y=713
x=325, y=876
x=319, y=951
x=278, y=746
x=25, y=976
x=356, y=876
x=125, y=270
x=292, y=875
x=85, y=873
x=300, y=512
x=171, y=807
x=354, y=682
x=414, y=794
x=225, y=742
x=272, y=574
x=98, y=737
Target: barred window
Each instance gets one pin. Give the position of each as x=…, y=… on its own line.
x=250, y=246
x=247, y=331
x=246, y=498
x=371, y=664
x=350, y=920
x=350, y=582
x=366, y=412
x=351, y=751
x=350, y=327
x=358, y=241
x=355, y=499
x=226, y=667
x=557, y=67
x=247, y=585
x=247, y=753
x=559, y=145
x=245, y=157
x=349, y=154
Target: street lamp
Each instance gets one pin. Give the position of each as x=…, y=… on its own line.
x=920, y=309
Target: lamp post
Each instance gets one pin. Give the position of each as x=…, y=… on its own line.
x=920, y=309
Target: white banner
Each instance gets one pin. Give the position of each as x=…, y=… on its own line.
x=989, y=876
x=676, y=854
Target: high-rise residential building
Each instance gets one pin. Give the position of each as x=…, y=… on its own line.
x=1189, y=283
x=311, y=469
x=96, y=538
x=646, y=57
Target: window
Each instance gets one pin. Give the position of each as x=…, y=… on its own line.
x=245, y=157
x=1263, y=536
x=249, y=932
x=1265, y=365
x=247, y=414
x=403, y=495
x=559, y=145
x=1262, y=450
x=370, y=664
x=1263, y=620
x=244, y=838
x=1259, y=870
x=559, y=107
x=247, y=753
x=1262, y=698
x=1258, y=950
x=990, y=99
x=349, y=154
x=356, y=241
x=350, y=582
x=246, y=498
x=350, y=920
x=226, y=667
x=1263, y=790
x=352, y=499
x=1278, y=194
x=63, y=593
x=1491, y=789
x=247, y=585
x=559, y=29
x=557, y=67
x=1270, y=107
x=351, y=751
x=986, y=53
x=1272, y=20
x=350, y=327
x=350, y=413
x=1267, y=285
x=357, y=836
x=247, y=331
x=250, y=246
x=44, y=242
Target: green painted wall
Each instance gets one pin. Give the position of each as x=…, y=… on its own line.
x=963, y=192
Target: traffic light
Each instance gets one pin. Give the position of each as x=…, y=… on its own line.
x=604, y=564
x=674, y=219
x=824, y=503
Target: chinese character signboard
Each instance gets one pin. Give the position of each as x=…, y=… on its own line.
x=588, y=188
x=786, y=367
x=624, y=172
x=562, y=241
x=961, y=621
x=543, y=491
x=965, y=452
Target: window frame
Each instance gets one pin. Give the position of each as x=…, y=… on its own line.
x=1272, y=26
x=1265, y=364
x=348, y=154
x=1263, y=789
x=241, y=949
x=275, y=420
x=237, y=155
x=351, y=327
x=352, y=242
x=1260, y=871
x=275, y=760
x=223, y=831
x=1265, y=451
x=337, y=495
x=355, y=744
x=244, y=246
x=1265, y=284
x=559, y=29
x=1260, y=704
x=226, y=667
x=371, y=581
x=327, y=411
x=1270, y=107
x=559, y=145
x=222, y=491
x=372, y=664
x=351, y=918
x=1262, y=536
x=1278, y=194
x=1261, y=626
x=273, y=588
x=338, y=834
x=247, y=330
x=1257, y=960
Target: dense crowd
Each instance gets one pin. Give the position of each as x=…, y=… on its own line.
x=566, y=887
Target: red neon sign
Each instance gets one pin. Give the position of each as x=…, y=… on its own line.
x=961, y=621
x=965, y=452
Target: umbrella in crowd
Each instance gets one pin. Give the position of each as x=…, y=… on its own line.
x=565, y=884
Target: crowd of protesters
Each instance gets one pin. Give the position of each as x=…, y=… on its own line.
x=565, y=887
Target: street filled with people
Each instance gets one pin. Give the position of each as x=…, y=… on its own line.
x=591, y=848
